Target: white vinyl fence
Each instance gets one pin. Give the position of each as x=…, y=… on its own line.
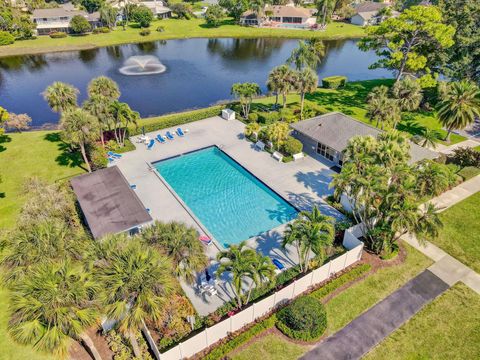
x=218, y=331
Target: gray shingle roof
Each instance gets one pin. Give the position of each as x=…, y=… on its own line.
x=336, y=129
x=370, y=6
x=56, y=12
x=109, y=204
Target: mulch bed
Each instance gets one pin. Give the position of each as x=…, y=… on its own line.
x=78, y=352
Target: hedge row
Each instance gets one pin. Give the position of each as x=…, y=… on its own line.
x=222, y=350
x=334, y=82
x=166, y=121
x=333, y=285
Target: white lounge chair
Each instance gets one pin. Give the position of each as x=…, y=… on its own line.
x=260, y=145
x=277, y=156
x=298, y=156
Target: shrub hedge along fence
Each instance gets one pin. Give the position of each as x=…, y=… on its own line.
x=304, y=319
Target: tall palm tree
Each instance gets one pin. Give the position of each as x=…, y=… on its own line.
x=180, y=243
x=237, y=260
x=460, y=106
x=306, y=82
x=136, y=280
x=286, y=80
x=262, y=271
x=307, y=54
x=311, y=232
x=274, y=81
x=103, y=86
x=381, y=108
x=53, y=304
x=61, y=96
x=408, y=93
x=252, y=128
x=40, y=242
x=123, y=116
x=80, y=128
x=99, y=106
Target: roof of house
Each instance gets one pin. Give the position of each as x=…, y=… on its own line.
x=56, y=12
x=109, y=204
x=370, y=6
x=336, y=129
x=283, y=11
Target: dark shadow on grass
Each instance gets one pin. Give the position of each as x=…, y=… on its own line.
x=221, y=23
x=67, y=157
x=2, y=195
x=410, y=125
x=4, y=139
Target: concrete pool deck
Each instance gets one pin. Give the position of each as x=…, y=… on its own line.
x=303, y=183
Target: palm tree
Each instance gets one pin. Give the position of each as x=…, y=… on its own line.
x=99, y=106
x=432, y=178
x=53, y=304
x=40, y=242
x=307, y=54
x=381, y=108
x=104, y=86
x=80, y=128
x=123, y=116
x=262, y=271
x=278, y=133
x=286, y=80
x=61, y=96
x=136, y=280
x=252, y=128
x=180, y=243
x=237, y=260
x=306, y=82
x=274, y=81
x=428, y=138
x=408, y=93
x=311, y=232
x=460, y=106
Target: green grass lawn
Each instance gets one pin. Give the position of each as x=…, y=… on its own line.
x=348, y=304
x=460, y=236
x=31, y=154
x=351, y=100
x=447, y=328
x=174, y=29
x=271, y=347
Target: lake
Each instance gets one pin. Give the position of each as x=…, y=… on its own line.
x=200, y=72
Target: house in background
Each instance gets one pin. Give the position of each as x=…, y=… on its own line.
x=157, y=7
x=366, y=13
x=325, y=137
x=58, y=19
x=287, y=16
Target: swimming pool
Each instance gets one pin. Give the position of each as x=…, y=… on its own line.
x=228, y=200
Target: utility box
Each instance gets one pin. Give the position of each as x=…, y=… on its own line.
x=228, y=114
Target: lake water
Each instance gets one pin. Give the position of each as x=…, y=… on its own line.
x=200, y=72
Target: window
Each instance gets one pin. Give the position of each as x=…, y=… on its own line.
x=276, y=18
x=326, y=152
x=292, y=20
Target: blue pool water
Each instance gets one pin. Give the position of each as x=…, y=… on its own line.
x=229, y=201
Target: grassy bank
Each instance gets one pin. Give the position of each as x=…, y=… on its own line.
x=31, y=154
x=347, y=305
x=447, y=328
x=174, y=29
x=460, y=235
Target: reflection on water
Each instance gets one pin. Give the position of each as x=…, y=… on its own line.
x=199, y=72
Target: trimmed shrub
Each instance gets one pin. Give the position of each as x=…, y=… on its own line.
x=334, y=82
x=6, y=38
x=57, y=35
x=253, y=117
x=80, y=25
x=469, y=172
x=304, y=319
x=465, y=156
x=160, y=28
x=145, y=32
x=101, y=30
x=269, y=118
x=292, y=146
x=98, y=157
x=162, y=122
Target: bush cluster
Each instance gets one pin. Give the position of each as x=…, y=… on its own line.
x=144, y=32
x=253, y=117
x=465, y=156
x=334, y=82
x=57, y=34
x=166, y=121
x=98, y=157
x=304, y=319
x=160, y=28
x=101, y=30
x=292, y=146
x=6, y=38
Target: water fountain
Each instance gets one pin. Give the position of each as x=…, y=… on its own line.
x=142, y=65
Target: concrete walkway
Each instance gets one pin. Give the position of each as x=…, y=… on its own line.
x=446, y=266
x=367, y=330
x=447, y=150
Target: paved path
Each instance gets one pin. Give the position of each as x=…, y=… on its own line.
x=447, y=150
x=457, y=194
x=367, y=330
